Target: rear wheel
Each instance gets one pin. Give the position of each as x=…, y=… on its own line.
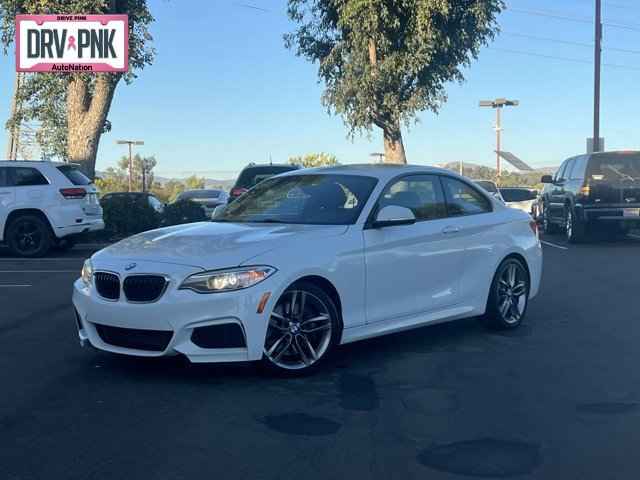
x=29, y=236
x=303, y=328
x=509, y=296
x=575, y=230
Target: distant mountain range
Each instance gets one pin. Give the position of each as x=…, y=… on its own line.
x=474, y=167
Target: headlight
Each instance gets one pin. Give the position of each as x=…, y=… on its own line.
x=87, y=272
x=227, y=280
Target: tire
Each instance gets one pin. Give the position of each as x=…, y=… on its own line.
x=575, y=230
x=509, y=296
x=547, y=225
x=65, y=244
x=297, y=342
x=29, y=236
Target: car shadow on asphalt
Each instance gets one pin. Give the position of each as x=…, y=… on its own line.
x=467, y=336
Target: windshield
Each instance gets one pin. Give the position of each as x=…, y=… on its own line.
x=303, y=199
x=487, y=185
x=517, y=194
x=615, y=166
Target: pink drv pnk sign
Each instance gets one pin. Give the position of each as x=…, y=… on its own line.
x=72, y=43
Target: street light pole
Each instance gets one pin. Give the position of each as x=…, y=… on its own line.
x=596, y=82
x=498, y=104
x=130, y=143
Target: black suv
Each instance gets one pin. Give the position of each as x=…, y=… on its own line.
x=598, y=188
x=253, y=174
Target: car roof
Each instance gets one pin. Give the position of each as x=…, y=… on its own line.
x=35, y=163
x=377, y=170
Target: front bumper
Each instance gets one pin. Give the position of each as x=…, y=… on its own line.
x=178, y=313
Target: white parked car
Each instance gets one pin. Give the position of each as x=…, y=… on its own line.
x=522, y=198
x=491, y=187
x=45, y=204
x=311, y=259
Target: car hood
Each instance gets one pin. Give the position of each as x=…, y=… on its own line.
x=211, y=245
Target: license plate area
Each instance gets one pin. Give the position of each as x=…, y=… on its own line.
x=631, y=212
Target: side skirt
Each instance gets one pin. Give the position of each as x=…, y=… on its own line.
x=385, y=327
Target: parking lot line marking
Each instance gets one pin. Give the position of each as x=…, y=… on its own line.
x=553, y=245
x=15, y=286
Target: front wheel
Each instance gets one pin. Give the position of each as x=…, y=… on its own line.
x=509, y=296
x=303, y=328
x=547, y=225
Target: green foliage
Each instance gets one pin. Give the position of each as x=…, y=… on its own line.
x=194, y=182
x=314, y=160
x=123, y=218
x=382, y=61
x=169, y=190
x=183, y=211
x=117, y=179
x=43, y=96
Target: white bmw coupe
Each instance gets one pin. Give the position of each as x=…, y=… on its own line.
x=309, y=260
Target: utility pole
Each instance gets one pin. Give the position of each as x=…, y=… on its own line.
x=498, y=104
x=130, y=143
x=14, y=133
x=378, y=155
x=596, y=82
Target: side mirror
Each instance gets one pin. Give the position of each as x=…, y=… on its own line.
x=219, y=210
x=393, y=215
x=546, y=179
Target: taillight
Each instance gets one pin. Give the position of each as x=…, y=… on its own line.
x=73, y=193
x=236, y=192
x=585, y=191
x=534, y=227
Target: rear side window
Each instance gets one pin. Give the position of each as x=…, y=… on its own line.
x=251, y=176
x=462, y=199
x=567, y=173
x=422, y=194
x=4, y=177
x=74, y=175
x=27, y=177
x=579, y=168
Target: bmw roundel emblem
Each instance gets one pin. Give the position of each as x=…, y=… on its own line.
x=131, y=266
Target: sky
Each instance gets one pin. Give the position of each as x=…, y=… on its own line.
x=224, y=91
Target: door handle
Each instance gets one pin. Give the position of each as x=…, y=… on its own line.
x=450, y=230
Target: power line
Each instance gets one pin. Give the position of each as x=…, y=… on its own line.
x=569, y=42
x=569, y=18
x=565, y=59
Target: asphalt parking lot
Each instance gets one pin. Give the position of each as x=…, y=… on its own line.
x=558, y=398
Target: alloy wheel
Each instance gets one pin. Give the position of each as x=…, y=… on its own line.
x=28, y=237
x=513, y=293
x=569, y=225
x=299, y=332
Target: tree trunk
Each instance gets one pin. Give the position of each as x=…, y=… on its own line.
x=393, y=146
x=86, y=117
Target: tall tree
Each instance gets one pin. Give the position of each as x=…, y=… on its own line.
x=383, y=61
x=73, y=107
